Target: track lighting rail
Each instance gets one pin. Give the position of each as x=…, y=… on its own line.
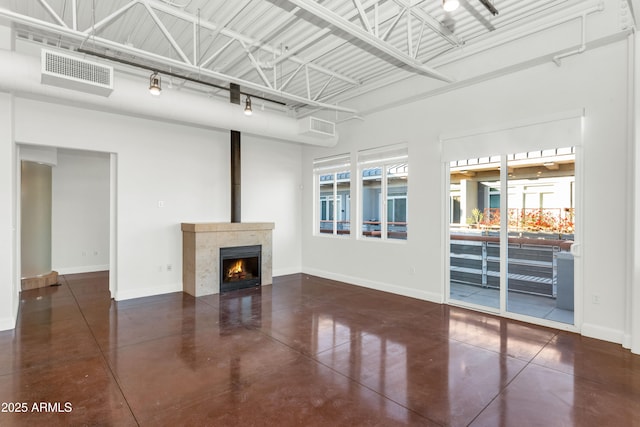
x=172, y=74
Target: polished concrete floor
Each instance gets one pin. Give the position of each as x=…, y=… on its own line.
x=538, y=306
x=303, y=352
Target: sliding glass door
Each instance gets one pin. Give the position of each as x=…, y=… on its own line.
x=512, y=218
x=533, y=226
x=474, y=231
x=541, y=229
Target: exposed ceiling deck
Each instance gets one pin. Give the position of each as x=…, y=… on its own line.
x=304, y=54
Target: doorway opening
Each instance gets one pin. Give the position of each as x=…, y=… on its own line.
x=82, y=214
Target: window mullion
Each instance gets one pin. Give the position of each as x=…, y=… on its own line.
x=384, y=228
x=335, y=203
x=504, y=233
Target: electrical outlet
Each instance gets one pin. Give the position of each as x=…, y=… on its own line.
x=169, y=267
x=595, y=298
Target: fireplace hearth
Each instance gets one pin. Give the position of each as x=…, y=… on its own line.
x=240, y=267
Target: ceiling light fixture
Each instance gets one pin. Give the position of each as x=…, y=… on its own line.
x=450, y=5
x=155, y=84
x=247, y=107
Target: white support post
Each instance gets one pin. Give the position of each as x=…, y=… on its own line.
x=415, y=52
x=195, y=44
x=74, y=14
x=306, y=75
x=409, y=35
x=377, y=20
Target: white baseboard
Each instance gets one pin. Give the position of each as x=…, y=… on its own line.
x=599, y=332
x=7, y=323
x=82, y=269
x=380, y=286
x=285, y=271
x=627, y=341
x=148, y=292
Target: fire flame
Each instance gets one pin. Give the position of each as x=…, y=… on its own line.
x=236, y=268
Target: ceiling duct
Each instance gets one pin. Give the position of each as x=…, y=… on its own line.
x=74, y=73
x=314, y=126
x=131, y=97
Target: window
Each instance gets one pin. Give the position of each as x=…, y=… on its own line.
x=384, y=174
x=333, y=184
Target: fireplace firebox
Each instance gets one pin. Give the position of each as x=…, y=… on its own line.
x=240, y=267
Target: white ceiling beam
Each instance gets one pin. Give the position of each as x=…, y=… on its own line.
x=216, y=53
x=79, y=37
x=387, y=49
x=363, y=16
x=393, y=24
x=166, y=33
x=320, y=34
x=246, y=39
x=435, y=25
x=52, y=12
x=98, y=25
x=291, y=77
x=634, y=5
x=257, y=66
x=415, y=52
x=319, y=94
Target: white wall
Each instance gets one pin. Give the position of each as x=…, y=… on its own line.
x=80, y=212
x=595, y=81
x=8, y=280
x=184, y=167
x=271, y=191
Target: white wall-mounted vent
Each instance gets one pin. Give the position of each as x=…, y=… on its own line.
x=314, y=126
x=69, y=72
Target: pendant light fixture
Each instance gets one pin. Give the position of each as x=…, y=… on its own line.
x=450, y=5
x=155, y=84
x=247, y=107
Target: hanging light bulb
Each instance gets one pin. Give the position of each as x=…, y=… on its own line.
x=450, y=5
x=247, y=107
x=155, y=84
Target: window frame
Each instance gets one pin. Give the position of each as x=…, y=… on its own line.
x=334, y=165
x=384, y=158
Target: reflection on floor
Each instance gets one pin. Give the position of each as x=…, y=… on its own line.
x=530, y=305
x=305, y=351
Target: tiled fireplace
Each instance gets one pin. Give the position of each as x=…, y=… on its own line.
x=206, y=248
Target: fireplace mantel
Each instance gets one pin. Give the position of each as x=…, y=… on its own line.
x=201, y=243
x=203, y=227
